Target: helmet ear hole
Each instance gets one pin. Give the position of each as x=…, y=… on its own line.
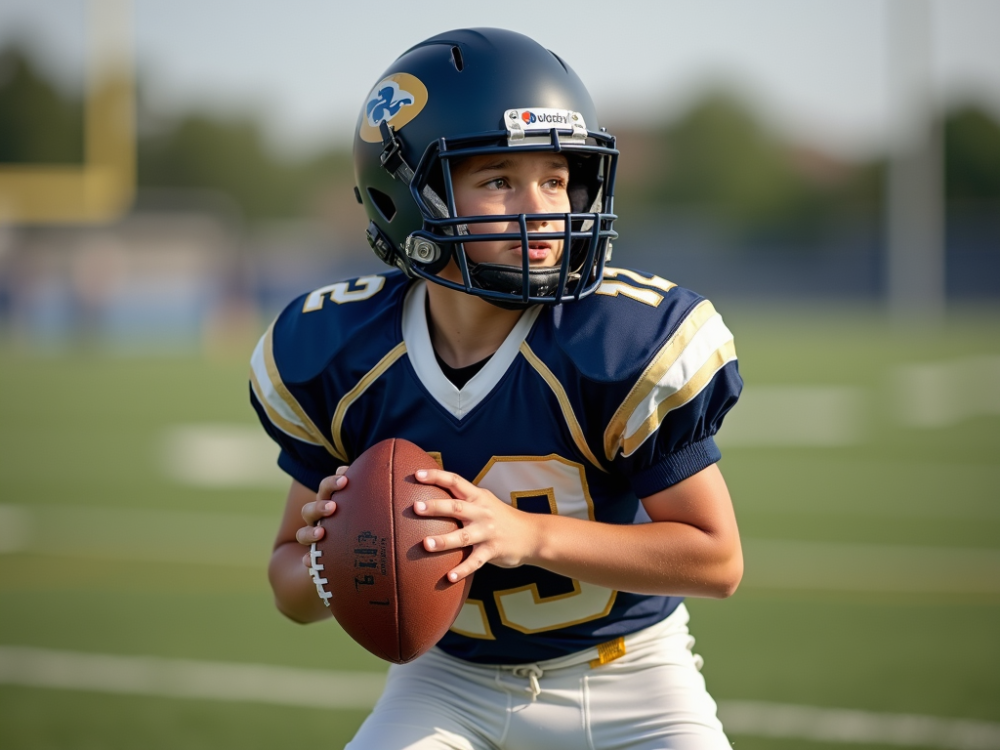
x=383, y=203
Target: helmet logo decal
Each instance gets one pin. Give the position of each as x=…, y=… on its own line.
x=396, y=99
x=387, y=103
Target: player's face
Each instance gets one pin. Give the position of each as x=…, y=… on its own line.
x=513, y=183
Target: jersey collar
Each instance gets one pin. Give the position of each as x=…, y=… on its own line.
x=416, y=335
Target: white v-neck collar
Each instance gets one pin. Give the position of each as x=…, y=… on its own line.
x=416, y=335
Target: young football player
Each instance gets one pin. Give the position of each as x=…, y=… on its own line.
x=573, y=406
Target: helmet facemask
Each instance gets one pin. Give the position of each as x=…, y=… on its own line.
x=586, y=235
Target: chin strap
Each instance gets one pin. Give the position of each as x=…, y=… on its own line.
x=428, y=254
x=392, y=161
x=542, y=282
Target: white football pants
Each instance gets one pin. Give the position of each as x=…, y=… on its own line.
x=651, y=698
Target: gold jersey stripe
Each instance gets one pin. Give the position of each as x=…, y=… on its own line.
x=276, y=419
x=306, y=431
x=725, y=353
x=564, y=404
x=356, y=392
x=669, y=353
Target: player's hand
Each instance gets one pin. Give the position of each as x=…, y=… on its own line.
x=497, y=533
x=322, y=507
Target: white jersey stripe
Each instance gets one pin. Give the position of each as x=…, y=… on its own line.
x=678, y=368
x=701, y=349
x=282, y=409
x=715, y=362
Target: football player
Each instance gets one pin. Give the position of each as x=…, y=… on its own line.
x=573, y=405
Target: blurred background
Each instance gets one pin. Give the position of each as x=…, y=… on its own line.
x=172, y=174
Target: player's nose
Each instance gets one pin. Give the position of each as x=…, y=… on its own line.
x=534, y=201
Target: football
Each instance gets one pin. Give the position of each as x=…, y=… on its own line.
x=371, y=568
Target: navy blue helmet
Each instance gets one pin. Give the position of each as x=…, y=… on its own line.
x=466, y=93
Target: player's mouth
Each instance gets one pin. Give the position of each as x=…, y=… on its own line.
x=538, y=250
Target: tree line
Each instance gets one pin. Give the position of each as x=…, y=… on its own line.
x=716, y=158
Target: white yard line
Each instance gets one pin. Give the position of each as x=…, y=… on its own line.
x=221, y=455
x=796, y=415
x=185, y=678
x=839, y=725
x=941, y=394
x=258, y=683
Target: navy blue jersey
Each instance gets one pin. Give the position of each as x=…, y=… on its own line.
x=585, y=408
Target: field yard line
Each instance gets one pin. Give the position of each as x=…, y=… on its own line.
x=797, y=415
x=838, y=725
x=186, y=678
x=258, y=683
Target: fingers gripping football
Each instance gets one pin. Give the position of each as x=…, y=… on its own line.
x=322, y=507
x=496, y=532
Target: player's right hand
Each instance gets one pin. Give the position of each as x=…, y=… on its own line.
x=322, y=507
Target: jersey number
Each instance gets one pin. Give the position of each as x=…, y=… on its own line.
x=562, y=485
x=613, y=286
x=344, y=291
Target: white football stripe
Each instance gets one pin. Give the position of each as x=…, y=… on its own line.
x=260, y=683
x=712, y=335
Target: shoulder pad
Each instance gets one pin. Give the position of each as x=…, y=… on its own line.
x=315, y=327
x=614, y=333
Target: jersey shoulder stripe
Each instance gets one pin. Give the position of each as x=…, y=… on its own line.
x=281, y=407
x=295, y=351
x=699, y=347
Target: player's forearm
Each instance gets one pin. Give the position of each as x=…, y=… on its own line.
x=665, y=557
x=294, y=592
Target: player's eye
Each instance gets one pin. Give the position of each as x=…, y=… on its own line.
x=500, y=183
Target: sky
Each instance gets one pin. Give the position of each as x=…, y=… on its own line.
x=819, y=72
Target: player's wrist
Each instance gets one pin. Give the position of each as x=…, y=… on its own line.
x=537, y=540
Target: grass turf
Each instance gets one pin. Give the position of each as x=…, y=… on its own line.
x=83, y=430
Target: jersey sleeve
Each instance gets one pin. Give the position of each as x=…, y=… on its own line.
x=306, y=452
x=663, y=430
x=293, y=387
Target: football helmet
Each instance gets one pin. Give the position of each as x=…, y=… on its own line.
x=466, y=93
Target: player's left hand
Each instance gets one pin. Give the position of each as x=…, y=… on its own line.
x=497, y=533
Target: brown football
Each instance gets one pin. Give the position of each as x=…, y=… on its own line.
x=371, y=568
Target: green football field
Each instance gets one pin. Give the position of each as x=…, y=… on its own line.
x=136, y=521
